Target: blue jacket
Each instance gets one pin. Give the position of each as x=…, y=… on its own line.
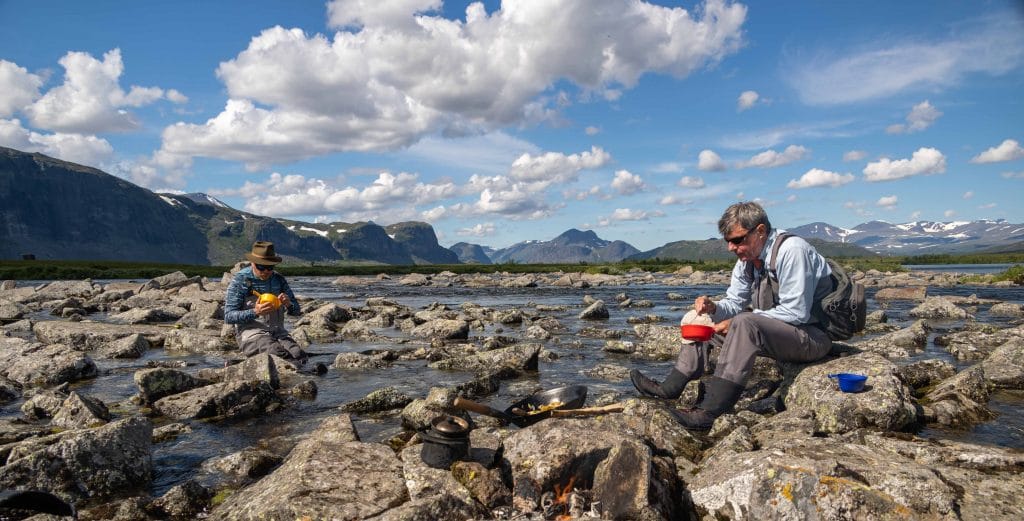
x=239, y=300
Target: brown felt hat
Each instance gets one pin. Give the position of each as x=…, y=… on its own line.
x=263, y=253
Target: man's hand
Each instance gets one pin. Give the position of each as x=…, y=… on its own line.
x=722, y=327
x=704, y=305
x=263, y=308
x=285, y=302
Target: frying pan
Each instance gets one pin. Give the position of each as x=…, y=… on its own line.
x=518, y=414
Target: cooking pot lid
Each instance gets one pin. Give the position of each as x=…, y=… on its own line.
x=450, y=425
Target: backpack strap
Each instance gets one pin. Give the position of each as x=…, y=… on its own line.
x=773, y=278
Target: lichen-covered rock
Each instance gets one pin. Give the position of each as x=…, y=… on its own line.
x=1004, y=368
x=917, y=293
x=196, y=341
x=104, y=463
x=658, y=342
x=149, y=315
x=926, y=372
x=596, y=311
x=820, y=478
x=383, y=399
x=938, y=308
x=80, y=411
x=132, y=346
x=899, y=344
x=978, y=343
x=443, y=329
x=222, y=401
x=886, y=403
x=184, y=501
x=91, y=336
x=154, y=384
x=518, y=357
x=328, y=475
x=38, y=365
x=259, y=368
x=959, y=401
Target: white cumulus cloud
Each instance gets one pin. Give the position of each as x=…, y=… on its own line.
x=1008, y=150
x=626, y=183
x=746, y=100
x=691, y=182
x=77, y=148
x=773, y=159
x=922, y=116
x=478, y=230
x=709, y=161
x=556, y=168
x=90, y=101
x=400, y=71
x=18, y=88
x=626, y=214
x=925, y=161
x=816, y=177
x=888, y=202
x=854, y=155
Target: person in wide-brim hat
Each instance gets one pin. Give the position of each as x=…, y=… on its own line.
x=263, y=253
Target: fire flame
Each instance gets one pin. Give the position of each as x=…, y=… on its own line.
x=562, y=497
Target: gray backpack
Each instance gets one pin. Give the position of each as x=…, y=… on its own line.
x=843, y=311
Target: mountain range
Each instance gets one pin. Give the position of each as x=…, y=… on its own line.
x=59, y=210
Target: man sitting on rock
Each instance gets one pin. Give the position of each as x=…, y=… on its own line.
x=259, y=321
x=786, y=330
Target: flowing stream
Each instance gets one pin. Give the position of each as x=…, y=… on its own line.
x=179, y=459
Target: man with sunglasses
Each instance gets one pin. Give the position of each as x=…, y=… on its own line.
x=259, y=326
x=750, y=317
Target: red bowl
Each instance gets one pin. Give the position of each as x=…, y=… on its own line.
x=696, y=332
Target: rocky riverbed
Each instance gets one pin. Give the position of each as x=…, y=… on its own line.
x=128, y=400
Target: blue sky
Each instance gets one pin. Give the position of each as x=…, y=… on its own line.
x=503, y=122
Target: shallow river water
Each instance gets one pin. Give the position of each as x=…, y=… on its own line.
x=179, y=459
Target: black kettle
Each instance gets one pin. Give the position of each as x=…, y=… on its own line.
x=446, y=442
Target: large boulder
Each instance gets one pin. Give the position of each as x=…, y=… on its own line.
x=978, y=343
x=34, y=364
x=329, y=475
x=959, y=401
x=886, y=403
x=90, y=336
x=107, y=462
x=899, y=344
x=154, y=384
x=221, y=401
x=658, y=342
x=821, y=478
x=443, y=329
x=518, y=357
x=1004, y=368
x=938, y=308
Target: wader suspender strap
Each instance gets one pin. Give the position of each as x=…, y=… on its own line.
x=773, y=277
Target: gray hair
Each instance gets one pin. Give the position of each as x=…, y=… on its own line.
x=746, y=214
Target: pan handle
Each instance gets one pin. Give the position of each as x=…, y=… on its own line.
x=479, y=408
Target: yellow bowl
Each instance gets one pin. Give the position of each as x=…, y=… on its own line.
x=271, y=298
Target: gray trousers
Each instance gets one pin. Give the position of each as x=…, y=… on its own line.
x=255, y=341
x=750, y=335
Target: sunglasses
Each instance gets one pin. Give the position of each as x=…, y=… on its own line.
x=264, y=267
x=736, y=241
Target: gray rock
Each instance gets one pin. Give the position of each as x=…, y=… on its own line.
x=10, y=311
x=79, y=412
x=154, y=384
x=442, y=329
x=149, y=315
x=196, y=341
x=959, y=401
x=90, y=336
x=938, y=308
x=220, y=401
x=32, y=364
x=418, y=413
x=519, y=357
x=184, y=501
x=596, y=311
x=329, y=475
x=1004, y=368
x=819, y=478
x=924, y=373
x=132, y=346
x=887, y=403
x=899, y=344
x=978, y=344
x=362, y=361
x=99, y=464
x=383, y=399
x=248, y=463
x=44, y=403
x=1006, y=309
x=257, y=368
x=414, y=279
x=658, y=342
x=916, y=293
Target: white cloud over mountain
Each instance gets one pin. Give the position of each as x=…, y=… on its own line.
x=925, y=161
x=817, y=177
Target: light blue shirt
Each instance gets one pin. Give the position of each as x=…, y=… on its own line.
x=804, y=278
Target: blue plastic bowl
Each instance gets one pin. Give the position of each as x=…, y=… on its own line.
x=850, y=382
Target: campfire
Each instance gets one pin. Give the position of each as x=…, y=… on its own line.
x=567, y=503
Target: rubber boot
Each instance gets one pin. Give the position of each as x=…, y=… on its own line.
x=670, y=389
x=719, y=397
